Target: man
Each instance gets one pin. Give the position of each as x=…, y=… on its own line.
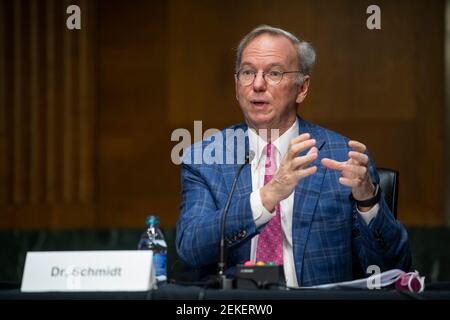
x=310, y=198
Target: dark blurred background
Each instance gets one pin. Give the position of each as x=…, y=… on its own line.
x=86, y=115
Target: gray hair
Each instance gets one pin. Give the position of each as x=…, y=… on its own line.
x=305, y=51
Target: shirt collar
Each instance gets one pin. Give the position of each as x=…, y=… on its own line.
x=258, y=144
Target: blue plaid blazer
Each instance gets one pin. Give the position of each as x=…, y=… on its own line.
x=331, y=242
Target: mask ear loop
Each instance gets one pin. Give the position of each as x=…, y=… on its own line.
x=409, y=283
x=414, y=275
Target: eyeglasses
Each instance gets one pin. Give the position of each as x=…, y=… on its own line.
x=247, y=76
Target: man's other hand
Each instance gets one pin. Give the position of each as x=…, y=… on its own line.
x=354, y=172
x=292, y=169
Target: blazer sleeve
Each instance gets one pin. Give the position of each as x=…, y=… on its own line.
x=198, y=229
x=384, y=242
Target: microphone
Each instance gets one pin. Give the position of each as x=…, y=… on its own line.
x=224, y=282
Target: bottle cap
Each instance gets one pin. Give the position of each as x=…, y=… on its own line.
x=152, y=221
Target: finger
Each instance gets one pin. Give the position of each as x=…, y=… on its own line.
x=302, y=173
x=300, y=138
x=357, y=146
x=350, y=182
x=359, y=157
x=354, y=171
x=333, y=164
x=313, y=150
x=295, y=149
x=301, y=162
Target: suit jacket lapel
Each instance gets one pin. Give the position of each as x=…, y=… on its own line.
x=244, y=184
x=305, y=199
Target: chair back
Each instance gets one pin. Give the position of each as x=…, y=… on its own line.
x=389, y=185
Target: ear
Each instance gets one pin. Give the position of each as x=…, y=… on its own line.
x=303, y=90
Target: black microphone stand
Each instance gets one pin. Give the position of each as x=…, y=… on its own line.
x=226, y=283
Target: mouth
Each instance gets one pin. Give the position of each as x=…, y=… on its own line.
x=259, y=103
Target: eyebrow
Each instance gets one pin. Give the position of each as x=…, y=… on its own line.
x=271, y=65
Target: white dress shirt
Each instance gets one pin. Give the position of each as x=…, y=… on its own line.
x=261, y=215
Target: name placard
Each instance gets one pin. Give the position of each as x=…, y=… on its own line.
x=88, y=271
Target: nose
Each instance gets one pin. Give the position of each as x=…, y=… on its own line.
x=259, y=84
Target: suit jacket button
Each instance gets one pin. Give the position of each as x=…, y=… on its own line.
x=242, y=234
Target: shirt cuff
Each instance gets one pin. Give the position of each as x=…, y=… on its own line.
x=260, y=214
x=369, y=215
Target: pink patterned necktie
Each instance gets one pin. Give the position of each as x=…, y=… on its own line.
x=270, y=240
